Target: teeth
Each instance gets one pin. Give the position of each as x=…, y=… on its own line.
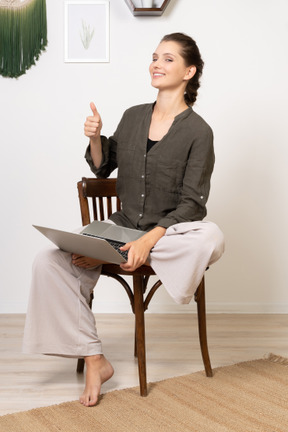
x=158, y=74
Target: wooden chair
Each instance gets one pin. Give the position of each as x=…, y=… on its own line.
x=98, y=199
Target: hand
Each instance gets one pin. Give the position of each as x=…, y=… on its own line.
x=137, y=256
x=139, y=250
x=93, y=124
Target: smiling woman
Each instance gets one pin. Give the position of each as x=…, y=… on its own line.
x=177, y=66
x=191, y=56
x=165, y=157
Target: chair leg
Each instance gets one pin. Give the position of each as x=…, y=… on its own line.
x=201, y=309
x=135, y=341
x=80, y=365
x=140, y=332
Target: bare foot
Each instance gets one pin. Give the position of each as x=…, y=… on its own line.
x=99, y=370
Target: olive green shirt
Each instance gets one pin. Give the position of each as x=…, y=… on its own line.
x=169, y=184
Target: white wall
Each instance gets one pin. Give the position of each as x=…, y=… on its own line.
x=244, y=98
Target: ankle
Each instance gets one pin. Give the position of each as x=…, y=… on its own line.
x=94, y=357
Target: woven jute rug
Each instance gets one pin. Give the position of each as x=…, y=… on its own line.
x=248, y=397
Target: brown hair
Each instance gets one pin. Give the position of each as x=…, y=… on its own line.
x=191, y=56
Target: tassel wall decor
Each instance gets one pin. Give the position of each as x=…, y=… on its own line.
x=23, y=35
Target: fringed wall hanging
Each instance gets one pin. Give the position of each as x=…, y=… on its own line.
x=23, y=35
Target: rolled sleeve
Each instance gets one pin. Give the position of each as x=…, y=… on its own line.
x=109, y=158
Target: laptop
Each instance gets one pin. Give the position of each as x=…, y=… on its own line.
x=99, y=240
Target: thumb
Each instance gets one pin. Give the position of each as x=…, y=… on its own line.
x=126, y=246
x=94, y=109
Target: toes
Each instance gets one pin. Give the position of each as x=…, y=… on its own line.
x=82, y=400
x=93, y=401
x=88, y=401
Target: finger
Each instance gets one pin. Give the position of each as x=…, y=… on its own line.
x=130, y=259
x=94, y=109
x=91, y=127
x=133, y=263
x=126, y=267
x=125, y=247
x=93, y=120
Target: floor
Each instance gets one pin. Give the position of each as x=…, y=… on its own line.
x=28, y=382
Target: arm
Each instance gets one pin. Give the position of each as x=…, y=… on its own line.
x=101, y=153
x=92, y=129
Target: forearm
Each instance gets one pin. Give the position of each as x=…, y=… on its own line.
x=153, y=236
x=96, y=151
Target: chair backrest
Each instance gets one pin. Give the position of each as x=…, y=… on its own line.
x=98, y=199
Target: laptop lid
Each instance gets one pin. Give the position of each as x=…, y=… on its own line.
x=112, y=232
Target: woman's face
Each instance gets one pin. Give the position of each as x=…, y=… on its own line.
x=168, y=69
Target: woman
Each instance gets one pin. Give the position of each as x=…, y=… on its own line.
x=165, y=158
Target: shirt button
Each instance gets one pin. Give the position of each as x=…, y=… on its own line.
x=201, y=197
x=142, y=195
x=143, y=176
x=140, y=214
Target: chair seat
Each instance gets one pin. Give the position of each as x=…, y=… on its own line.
x=116, y=269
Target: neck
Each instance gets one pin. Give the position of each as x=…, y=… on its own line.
x=169, y=105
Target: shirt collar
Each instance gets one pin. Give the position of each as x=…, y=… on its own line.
x=183, y=114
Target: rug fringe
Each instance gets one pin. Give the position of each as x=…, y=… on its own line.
x=277, y=359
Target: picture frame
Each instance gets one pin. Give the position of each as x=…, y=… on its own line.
x=86, y=31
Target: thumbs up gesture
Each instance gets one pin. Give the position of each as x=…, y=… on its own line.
x=93, y=124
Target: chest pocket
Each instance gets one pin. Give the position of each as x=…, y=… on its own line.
x=169, y=177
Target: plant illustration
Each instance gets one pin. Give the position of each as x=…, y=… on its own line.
x=86, y=34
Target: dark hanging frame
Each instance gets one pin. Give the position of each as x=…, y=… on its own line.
x=147, y=11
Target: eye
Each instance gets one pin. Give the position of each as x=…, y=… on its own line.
x=169, y=60
x=154, y=59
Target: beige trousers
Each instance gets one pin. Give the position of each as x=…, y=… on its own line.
x=59, y=320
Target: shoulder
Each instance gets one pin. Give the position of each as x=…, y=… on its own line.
x=139, y=110
x=197, y=123
x=133, y=117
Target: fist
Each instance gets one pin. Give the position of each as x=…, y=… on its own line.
x=93, y=123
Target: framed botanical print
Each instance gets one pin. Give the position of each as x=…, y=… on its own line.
x=86, y=31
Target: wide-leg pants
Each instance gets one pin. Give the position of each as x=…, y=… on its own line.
x=59, y=320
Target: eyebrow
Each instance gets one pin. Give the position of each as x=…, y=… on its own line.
x=165, y=54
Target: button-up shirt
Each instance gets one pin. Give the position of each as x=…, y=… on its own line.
x=169, y=184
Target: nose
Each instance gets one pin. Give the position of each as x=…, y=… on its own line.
x=155, y=67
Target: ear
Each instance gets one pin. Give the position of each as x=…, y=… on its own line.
x=190, y=72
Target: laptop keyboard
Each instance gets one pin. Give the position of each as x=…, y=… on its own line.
x=115, y=244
